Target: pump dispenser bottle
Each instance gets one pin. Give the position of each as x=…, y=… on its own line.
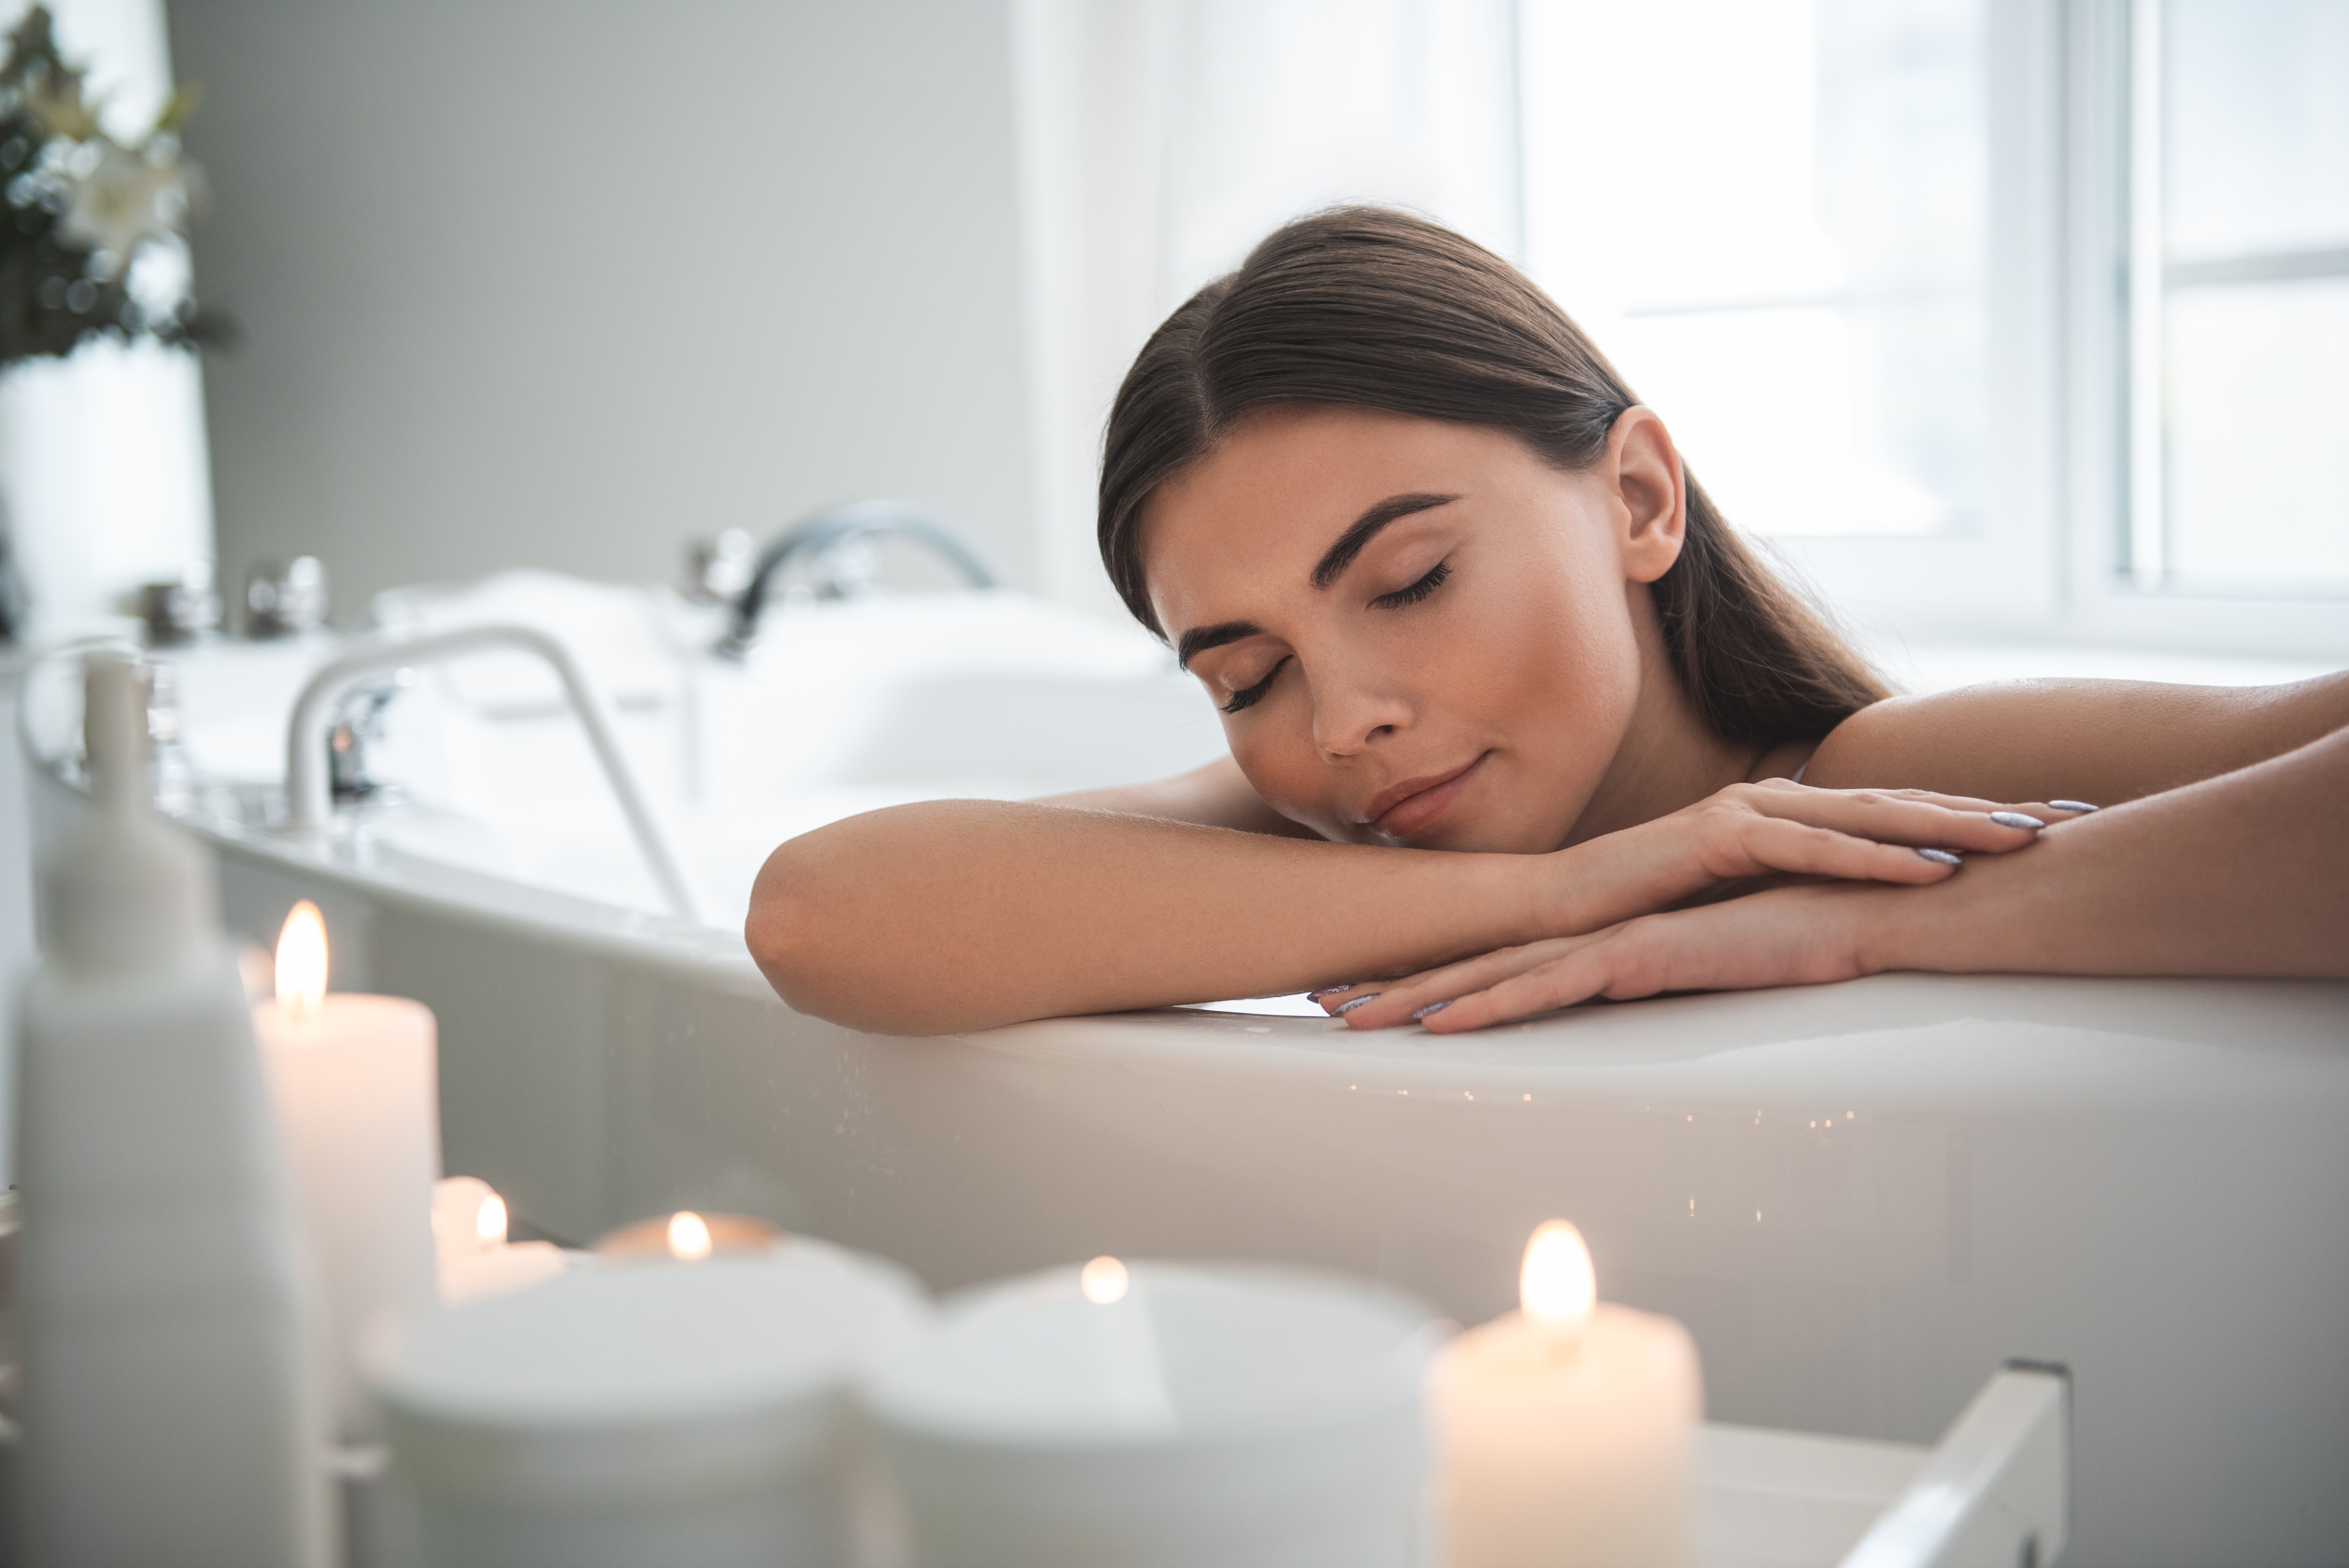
x=171, y=1411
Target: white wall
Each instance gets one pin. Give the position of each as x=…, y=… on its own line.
x=570, y=281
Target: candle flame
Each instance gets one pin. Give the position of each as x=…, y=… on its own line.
x=1558, y=1288
x=1103, y=1281
x=689, y=1236
x=490, y=1220
x=301, y=961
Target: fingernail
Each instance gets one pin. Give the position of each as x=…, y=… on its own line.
x=1350, y=1006
x=2017, y=820
x=1432, y=1007
x=2071, y=805
x=1328, y=991
x=1938, y=857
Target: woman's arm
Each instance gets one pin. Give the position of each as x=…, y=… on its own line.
x=2247, y=873
x=2102, y=741
x=962, y=914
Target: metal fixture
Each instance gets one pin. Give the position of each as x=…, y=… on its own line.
x=182, y=611
x=357, y=724
x=309, y=750
x=285, y=598
x=843, y=534
x=717, y=570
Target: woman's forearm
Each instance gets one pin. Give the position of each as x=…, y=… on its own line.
x=963, y=914
x=2247, y=873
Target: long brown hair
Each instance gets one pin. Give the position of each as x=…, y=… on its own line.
x=1375, y=308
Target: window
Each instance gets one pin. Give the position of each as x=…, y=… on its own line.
x=2241, y=311
x=2000, y=319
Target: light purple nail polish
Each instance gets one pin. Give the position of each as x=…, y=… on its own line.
x=1938, y=857
x=2016, y=820
x=1350, y=1006
x=1432, y=1007
x=2071, y=805
x=1328, y=991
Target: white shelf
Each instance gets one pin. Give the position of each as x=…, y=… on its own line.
x=1994, y=1493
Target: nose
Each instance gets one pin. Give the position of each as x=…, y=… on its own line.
x=1355, y=712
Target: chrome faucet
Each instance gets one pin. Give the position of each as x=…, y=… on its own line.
x=309, y=769
x=827, y=532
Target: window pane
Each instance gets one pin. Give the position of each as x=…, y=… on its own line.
x=2256, y=112
x=2258, y=411
x=1773, y=215
x=2255, y=352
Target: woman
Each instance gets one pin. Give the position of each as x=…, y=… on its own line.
x=1511, y=711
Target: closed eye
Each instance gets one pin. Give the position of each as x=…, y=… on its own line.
x=1417, y=592
x=1250, y=697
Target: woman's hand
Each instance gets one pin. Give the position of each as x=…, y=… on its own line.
x=1788, y=936
x=1781, y=828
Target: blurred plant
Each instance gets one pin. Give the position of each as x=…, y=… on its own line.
x=89, y=229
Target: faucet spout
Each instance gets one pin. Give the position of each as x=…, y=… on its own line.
x=310, y=795
x=841, y=525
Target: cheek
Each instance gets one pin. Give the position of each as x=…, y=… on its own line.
x=1543, y=652
x=1282, y=765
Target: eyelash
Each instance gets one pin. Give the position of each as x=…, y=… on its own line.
x=1248, y=698
x=1417, y=591
x=1394, y=601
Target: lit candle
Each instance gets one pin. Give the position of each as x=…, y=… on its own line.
x=689, y=1236
x=476, y=1261
x=352, y=1080
x=1568, y=1427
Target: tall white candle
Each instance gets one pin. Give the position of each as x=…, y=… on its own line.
x=353, y=1082
x=1568, y=1427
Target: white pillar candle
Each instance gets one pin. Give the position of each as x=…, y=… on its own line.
x=352, y=1080
x=468, y=1237
x=1568, y=1427
x=1166, y=1415
x=683, y=1415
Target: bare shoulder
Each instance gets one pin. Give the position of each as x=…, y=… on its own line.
x=2100, y=742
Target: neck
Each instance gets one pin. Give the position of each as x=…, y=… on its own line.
x=1669, y=757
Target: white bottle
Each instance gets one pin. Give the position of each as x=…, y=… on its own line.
x=171, y=1411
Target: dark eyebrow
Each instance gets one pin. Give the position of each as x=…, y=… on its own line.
x=1199, y=639
x=1365, y=527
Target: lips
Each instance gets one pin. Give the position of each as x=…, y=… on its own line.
x=1412, y=805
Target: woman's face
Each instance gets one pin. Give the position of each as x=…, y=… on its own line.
x=1419, y=632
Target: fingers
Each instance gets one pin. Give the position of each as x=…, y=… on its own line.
x=1918, y=819
x=1805, y=851
x=1382, y=1004
x=1795, y=936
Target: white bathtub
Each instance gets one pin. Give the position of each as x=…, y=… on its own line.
x=1860, y=1197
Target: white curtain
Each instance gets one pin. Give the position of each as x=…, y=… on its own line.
x=1162, y=138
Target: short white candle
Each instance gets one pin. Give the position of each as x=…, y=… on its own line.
x=352, y=1080
x=684, y=1416
x=476, y=1261
x=1568, y=1427
x=1164, y=1416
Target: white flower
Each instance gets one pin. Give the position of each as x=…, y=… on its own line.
x=120, y=200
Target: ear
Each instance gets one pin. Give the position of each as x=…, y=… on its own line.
x=1643, y=469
